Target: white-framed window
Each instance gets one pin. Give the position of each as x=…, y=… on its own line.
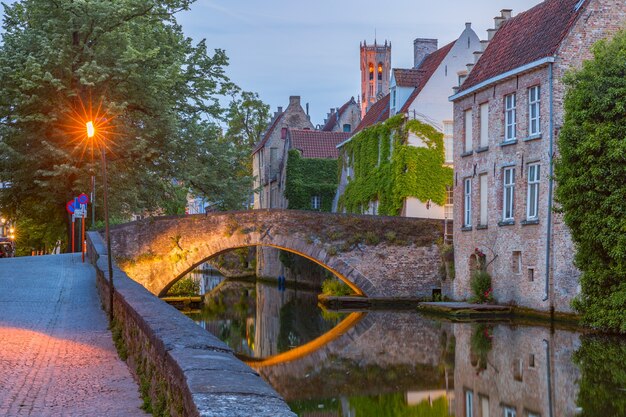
x=534, y=110
x=469, y=404
x=468, y=131
x=508, y=194
x=510, y=117
x=484, y=125
x=316, y=202
x=483, y=190
x=532, y=198
x=510, y=412
x=467, y=202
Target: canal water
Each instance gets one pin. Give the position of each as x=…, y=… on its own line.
x=401, y=363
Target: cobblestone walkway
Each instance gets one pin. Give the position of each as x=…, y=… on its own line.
x=56, y=355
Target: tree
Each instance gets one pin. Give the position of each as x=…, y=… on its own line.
x=248, y=117
x=160, y=94
x=591, y=188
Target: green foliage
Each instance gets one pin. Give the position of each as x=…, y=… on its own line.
x=394, y=405
x=333, y=286
x=480, y=283
x=601, y=361
x=591, y=189
x=308, y=177
x=481, y=343
x=388, y=170
x=161, y=95
x=185, y=287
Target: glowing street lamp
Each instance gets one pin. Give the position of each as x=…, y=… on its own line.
x=91, y=132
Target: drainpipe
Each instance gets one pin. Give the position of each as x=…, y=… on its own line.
x=549, y=375
x=550, y=185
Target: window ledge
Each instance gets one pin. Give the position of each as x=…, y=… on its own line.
x=508, y=142
x=529, y=222
x=466, y=228
x=481, y=227
x=483, y=149
x=468, y=153
x=506, y=223
x=533, y=137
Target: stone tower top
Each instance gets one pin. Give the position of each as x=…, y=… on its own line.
x=375, y=73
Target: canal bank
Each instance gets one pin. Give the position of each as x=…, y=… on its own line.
x=182, y=369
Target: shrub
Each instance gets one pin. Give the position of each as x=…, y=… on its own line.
x=481, y=287
x=371, y=238
x=590, y=174
x=186, y=287
x=333, y=286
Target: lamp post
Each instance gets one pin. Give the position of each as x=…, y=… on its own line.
x=91, y=131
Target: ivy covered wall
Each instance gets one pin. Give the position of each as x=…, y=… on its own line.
x=307, y=177
x=385, y=168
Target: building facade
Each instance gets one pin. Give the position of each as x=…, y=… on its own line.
x=418, y=94
x=508, y=112
x=343, y=119
x=375, y=67
x=267, y=155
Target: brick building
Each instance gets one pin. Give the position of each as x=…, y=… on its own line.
x=267, y=155
x=508, y=112
x=343, y=119
x=419, y=93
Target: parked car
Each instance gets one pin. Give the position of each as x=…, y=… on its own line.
x=7, y=248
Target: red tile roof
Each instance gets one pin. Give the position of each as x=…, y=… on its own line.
x=332, y=120
x=427, y=69
x=408, y=77
x=534, y=34
x=268, y=133
x=379, y=112
x=316, y=143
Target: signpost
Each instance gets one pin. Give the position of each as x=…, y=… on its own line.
x=78, y=209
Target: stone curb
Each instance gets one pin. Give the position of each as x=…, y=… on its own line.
x=189, y=370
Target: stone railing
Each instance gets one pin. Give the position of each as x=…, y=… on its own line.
x=182, y=369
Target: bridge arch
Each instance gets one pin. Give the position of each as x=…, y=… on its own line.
x=157, y=251
x=308, y=256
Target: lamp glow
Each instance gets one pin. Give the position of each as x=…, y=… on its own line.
x=91, y=130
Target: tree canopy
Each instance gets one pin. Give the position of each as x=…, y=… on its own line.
x=158, y=92
x=591, y=188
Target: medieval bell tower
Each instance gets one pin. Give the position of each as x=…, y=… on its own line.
x=375, y=73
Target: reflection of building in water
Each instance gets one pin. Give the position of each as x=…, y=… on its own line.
x=207, y=276
x=514, y=372
x=383, y=354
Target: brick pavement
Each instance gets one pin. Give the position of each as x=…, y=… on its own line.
x=56, y=355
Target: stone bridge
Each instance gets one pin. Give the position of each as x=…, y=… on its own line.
x=376, y=256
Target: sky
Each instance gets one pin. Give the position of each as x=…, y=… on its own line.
x=280, y=48
x=310, y=48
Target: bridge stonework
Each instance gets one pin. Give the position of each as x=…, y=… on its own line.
x=376, y=256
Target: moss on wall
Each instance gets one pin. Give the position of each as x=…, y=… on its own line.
x=307, y=177
x=386, y=169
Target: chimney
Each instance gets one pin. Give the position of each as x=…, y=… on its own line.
x=484, y=44
x=491, y=33
x=280, y=109
x=468, y=25
x=506, y=13
x=422, y=48
x=469, y=67
x=294, y=100
x=332, y=111
x=498, y=21
x=307, y=109
x=477, y=55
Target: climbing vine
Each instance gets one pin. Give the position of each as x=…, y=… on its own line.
x=307, y=177
x=387, y=169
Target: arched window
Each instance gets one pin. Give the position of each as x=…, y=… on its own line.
x=371, y=71
x=380, y=71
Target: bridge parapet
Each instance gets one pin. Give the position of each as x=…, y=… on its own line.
x=376, y=256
